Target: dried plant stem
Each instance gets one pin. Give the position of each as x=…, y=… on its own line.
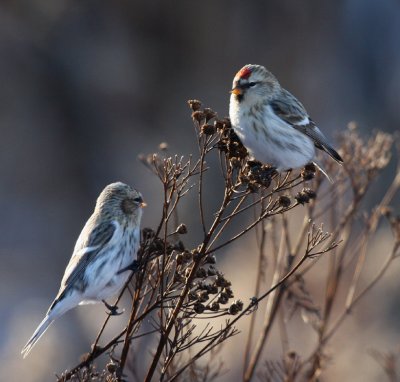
x=185, y=291
x=271, y=308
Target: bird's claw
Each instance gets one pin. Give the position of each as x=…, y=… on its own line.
x=112, y=309
x=134, y=267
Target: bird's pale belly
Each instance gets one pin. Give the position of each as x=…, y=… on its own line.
x=284, y=150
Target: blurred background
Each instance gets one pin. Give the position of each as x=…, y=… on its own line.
x=86, y=86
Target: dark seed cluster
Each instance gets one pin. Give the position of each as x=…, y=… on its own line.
x=305, y=195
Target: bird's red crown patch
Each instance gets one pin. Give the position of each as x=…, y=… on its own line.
x=244, y=73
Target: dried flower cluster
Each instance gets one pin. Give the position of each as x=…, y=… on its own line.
x=179, y=293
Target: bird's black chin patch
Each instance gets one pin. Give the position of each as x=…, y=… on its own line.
x=240, y=97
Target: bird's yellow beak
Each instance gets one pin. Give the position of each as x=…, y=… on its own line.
x=143, y=204
x=237, y=91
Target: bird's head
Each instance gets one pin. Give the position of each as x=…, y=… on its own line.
x=254, y=84
x=120, y=200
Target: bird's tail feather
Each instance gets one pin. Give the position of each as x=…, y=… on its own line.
x=320, y=168
x=38, y=333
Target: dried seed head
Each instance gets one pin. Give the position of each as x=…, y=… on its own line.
x=214, y=307
x=209, y=113
x=201, y=273
x=202, y=296
x=199, y=307
x=192, y=296
x=311, y=193
x=235, y=162
x=310, y=167
x=207, y=129
x=308, y=172
x=239, y=304
x=234, y=309
x=222, y=145
x=221, y=281
x=212, y=289
x=187, y=256
x=112, y=367
x=229, y=291
x=218, y=124
x=198, y=116
x=284, y=201
x=210, y=259
x=244, y=179
x=302, y=197
x=211, y=271
x=223, y=298
x=194, y=104
x=195, y=253
x=227, y=123
x=163, y=146
x=252, y=187
x=182, y=229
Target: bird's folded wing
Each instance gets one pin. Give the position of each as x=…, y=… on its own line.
x=84, y=254
x=291, y=111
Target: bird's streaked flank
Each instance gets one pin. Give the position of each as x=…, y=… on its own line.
x=271, y=123
x=105, y=249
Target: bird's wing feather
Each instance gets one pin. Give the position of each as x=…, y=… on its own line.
x=85, y=252
x=291, y=111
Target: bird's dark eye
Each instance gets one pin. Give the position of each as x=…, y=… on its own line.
x=251, y=84
x=138, y=200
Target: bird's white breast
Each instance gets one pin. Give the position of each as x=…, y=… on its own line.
x=268, y=138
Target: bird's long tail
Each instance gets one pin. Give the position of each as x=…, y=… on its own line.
x=324, y=172
x=38, y=333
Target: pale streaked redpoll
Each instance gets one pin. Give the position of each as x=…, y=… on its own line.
x=271, y=123
x=103, y=253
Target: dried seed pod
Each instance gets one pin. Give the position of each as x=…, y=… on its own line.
x=239, y=304
x=192, y=296
x=182, y=229
x=187, y=256
x=210, y=259
x=252, y=187
x=302, y=197
x=198, y=116
x=112, y=367
x=234, y=309
x=199, y=307
x=209, y=113
x=227, y=123
x=207, y=129
x=202, y=296
x=194, y=104
x=201, y=273
x=235, y=162
x=211, y=271
x=311, y=193
x=310, y=167
x=212, y=289
x=228, y=290
x=223, y=298
x=284, y=201
x=218, y=124
x=214, y=307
